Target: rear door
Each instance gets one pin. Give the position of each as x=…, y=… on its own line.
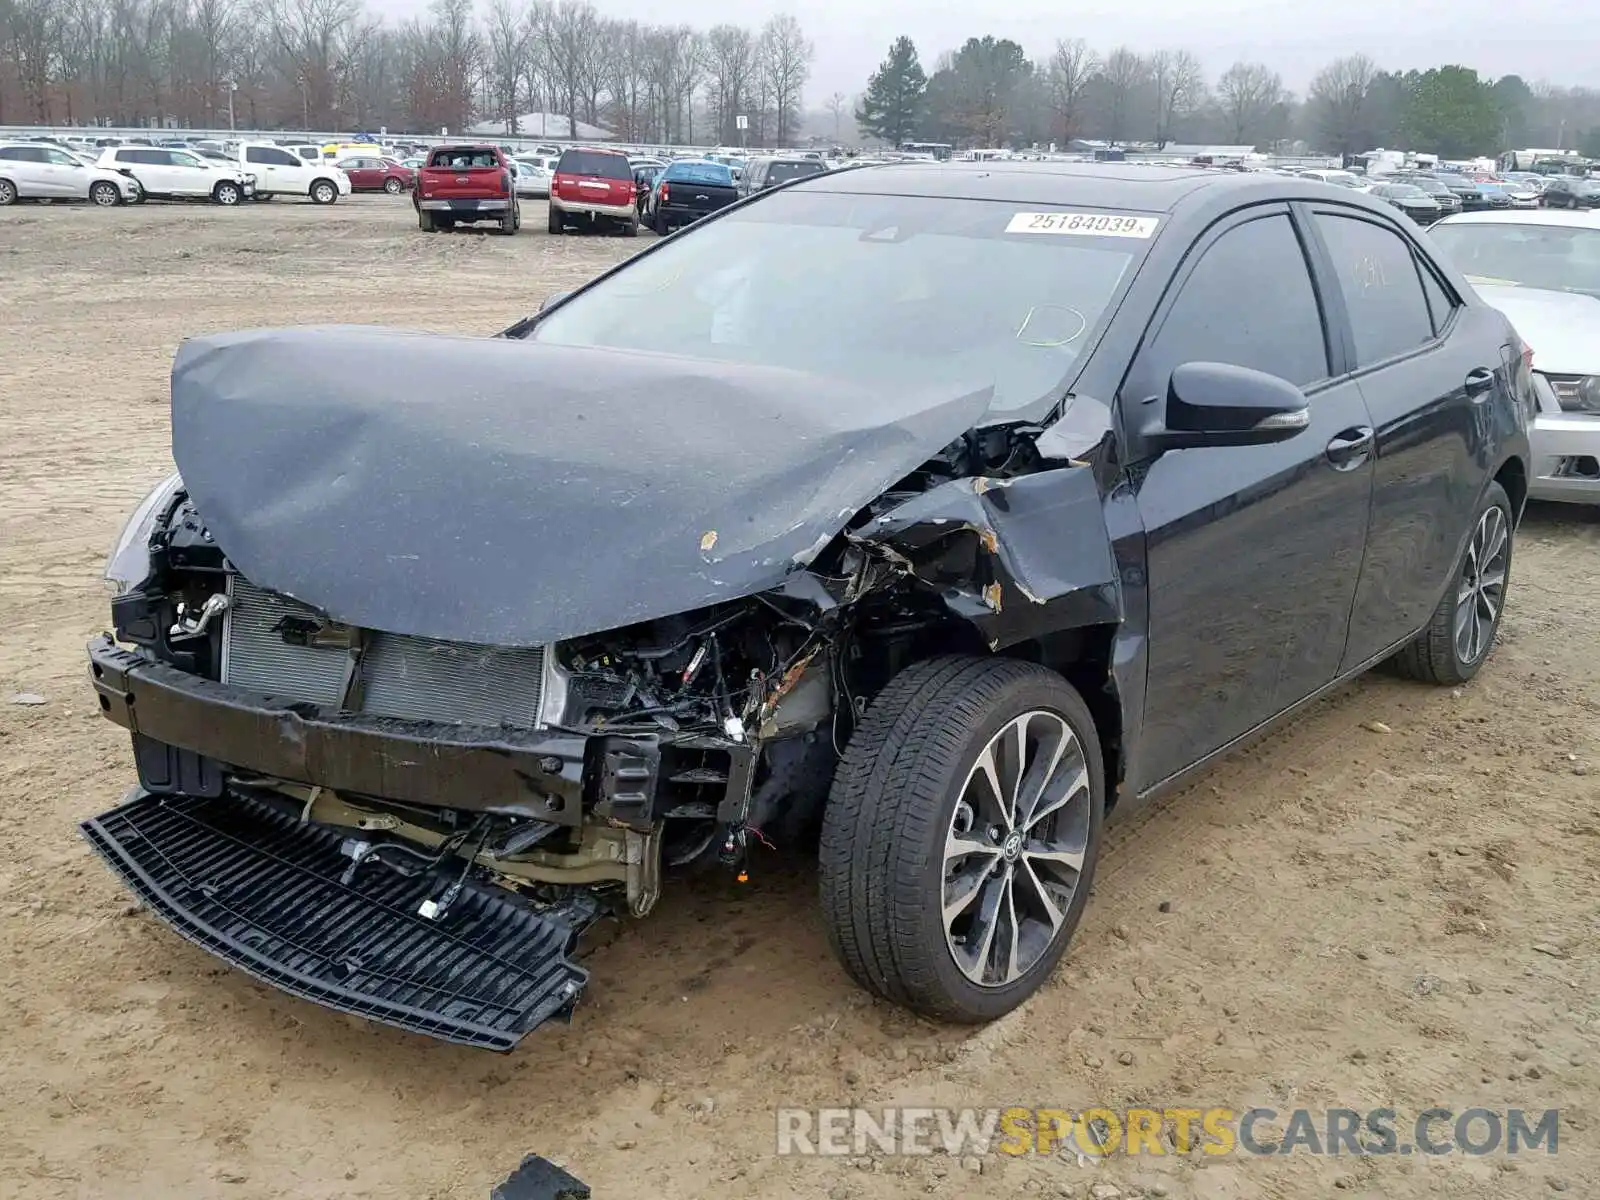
x=1252, y=552
x=275, y=169
x=150, y=167
x=1428, y=368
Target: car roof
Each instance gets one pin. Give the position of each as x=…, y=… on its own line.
x=1526, y=216
x=1093, y=185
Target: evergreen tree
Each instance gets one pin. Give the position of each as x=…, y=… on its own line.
x=892, y=105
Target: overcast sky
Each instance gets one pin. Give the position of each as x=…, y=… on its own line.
x=1498, y=37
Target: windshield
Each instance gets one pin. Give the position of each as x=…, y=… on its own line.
x=870, y=289
x=1404, y=191
x=1561, y=258
x=699, y=172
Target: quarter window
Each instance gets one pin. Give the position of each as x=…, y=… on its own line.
x=1249, y=303
x=1439, y=302
x=1382, y=291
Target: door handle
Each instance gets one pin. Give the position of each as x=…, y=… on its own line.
x=1479, y=381
x=1350, y=447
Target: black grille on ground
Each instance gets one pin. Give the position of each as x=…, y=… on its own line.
x=262, y=891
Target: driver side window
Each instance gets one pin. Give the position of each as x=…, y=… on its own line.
x=1248, y=302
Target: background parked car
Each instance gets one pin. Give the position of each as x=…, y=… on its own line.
x=1571, y=191
x=1409, y=199
x=1542, y=269
x=532, y=179
x=179, y=174
x=1448, y=202
x=368, y=174
x=593, y=188
x=767, y=171
x=281, y=172
x=36, y=172
x=686, y=191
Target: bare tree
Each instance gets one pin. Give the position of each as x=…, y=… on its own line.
x=731, y=61
x=308, y=33
x=1338, y=100
x=837, y=104
x=786, y=59
x=506, y=31
x=570, y=34
x=1248, y=94
x=1179, y=86
x=1123, y=76
x=1072, y=67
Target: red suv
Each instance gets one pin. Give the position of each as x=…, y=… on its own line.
x=591, y=187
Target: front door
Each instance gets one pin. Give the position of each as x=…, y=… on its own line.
x=1423, y=369
x=1251, y=553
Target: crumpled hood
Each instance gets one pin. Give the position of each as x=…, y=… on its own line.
x=512, y=493
x=1562, y=327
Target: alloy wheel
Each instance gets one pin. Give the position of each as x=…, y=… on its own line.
x=104, y=194
x=1015, y=849
x=1483, y=585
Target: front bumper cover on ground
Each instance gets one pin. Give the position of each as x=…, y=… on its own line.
x=274, y=897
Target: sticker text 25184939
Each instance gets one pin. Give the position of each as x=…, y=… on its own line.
x=1126, y=225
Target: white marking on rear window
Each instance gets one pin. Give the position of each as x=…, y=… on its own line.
x=1082, y=224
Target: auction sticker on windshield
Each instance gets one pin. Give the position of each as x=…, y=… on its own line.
x=1127, y=225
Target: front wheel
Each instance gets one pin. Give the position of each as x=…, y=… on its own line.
x=105, y=195
x=226, y=193
x=960, y=835
x=323, y=192
x=1463, y=628
x=393, y=186
x=8, y=192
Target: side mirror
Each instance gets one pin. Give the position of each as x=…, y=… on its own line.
x=1215, y=404
x=553, y=299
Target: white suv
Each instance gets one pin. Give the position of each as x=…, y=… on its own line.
x=170, y=174
x=281, y=172
x=30, y=171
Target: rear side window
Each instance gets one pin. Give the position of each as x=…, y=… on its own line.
x=1382, y=291
x=782, y=172
x=1249, y=303
x=1440, y=304
x=593, y=162
x=23, y=154
x=271, y=156
x=464, y=160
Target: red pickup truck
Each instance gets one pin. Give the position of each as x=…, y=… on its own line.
x=466, y=184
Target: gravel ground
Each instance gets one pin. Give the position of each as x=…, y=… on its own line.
x=1392, y=902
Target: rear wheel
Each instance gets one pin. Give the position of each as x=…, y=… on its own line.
x=104, y=194
x=960, y=835
x=660, y=225
x=512, y=221
x=227, y=193
x=425, y=222
x=8, y=192
x=1463, y=628
x=324, y=192
x=555, y=223
x=393, y=186
x=630, y=228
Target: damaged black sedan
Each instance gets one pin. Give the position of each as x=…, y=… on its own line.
x=921, y=513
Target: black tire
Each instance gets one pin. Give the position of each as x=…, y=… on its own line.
x=425, y=222
x=8, y=193
x=512, y=221
x=894, y=799
x=660, y=226
x=227, y=193
x=630, y=228
x=555, y=223
x=105, y=194
x=263, y=197
x=447, y=224
x=1438, y=655
x=393, y=186
x=324, y=191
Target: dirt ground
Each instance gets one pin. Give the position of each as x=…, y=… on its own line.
x=1392, y=903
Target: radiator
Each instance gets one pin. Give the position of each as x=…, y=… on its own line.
x=401, y=676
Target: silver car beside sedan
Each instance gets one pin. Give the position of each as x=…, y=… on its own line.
x=1542, y=269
